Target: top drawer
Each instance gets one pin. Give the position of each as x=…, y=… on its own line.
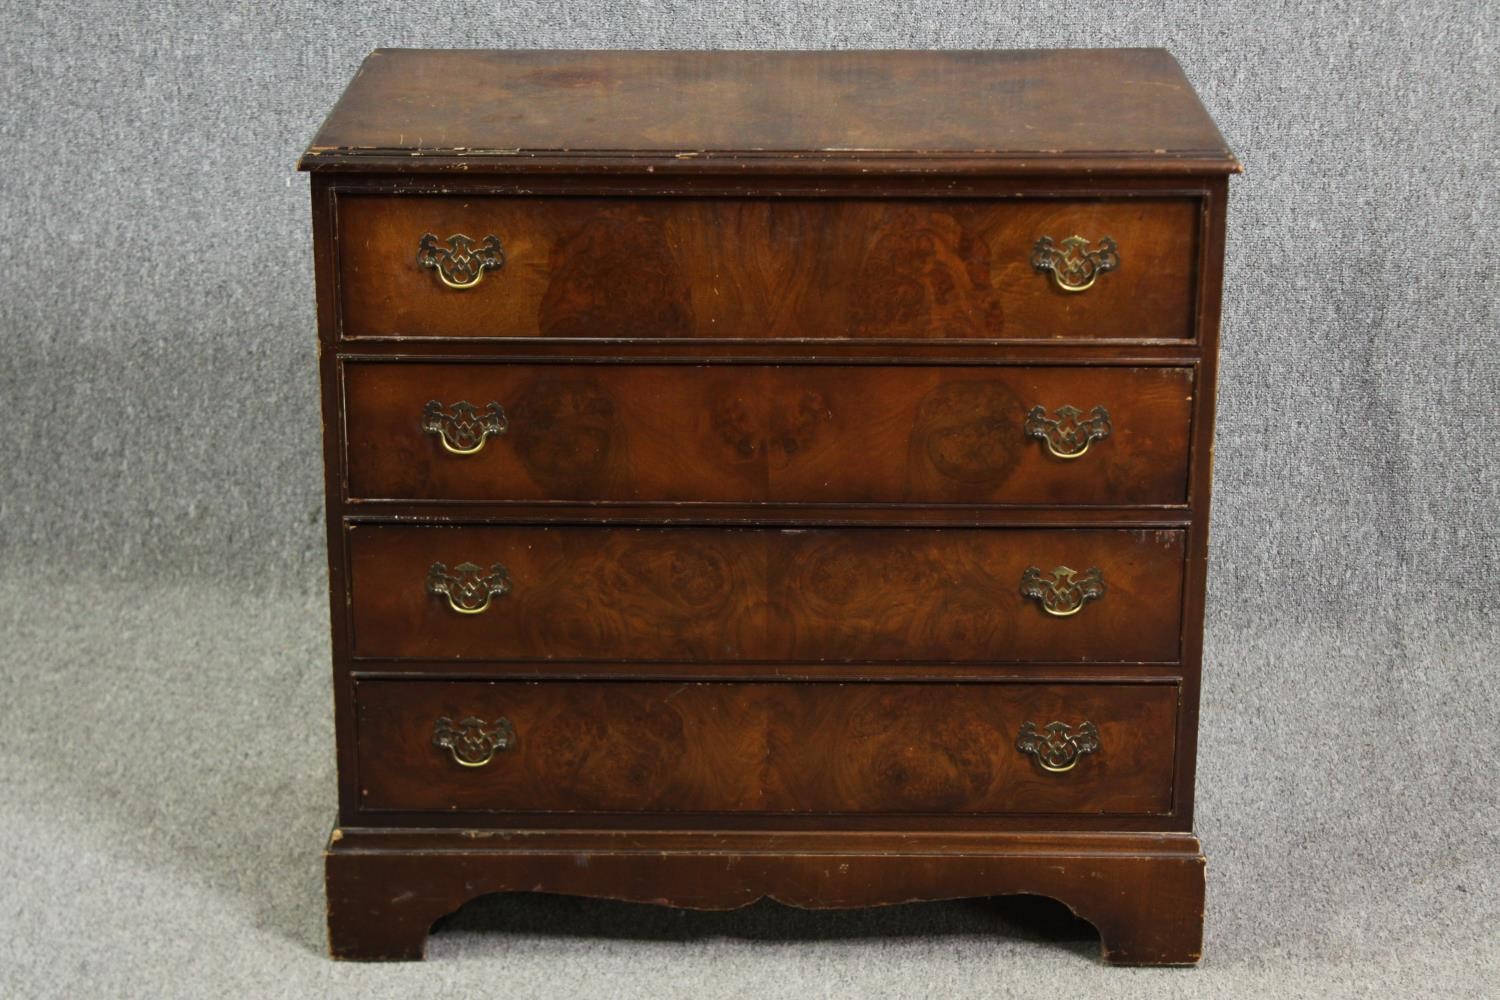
x=754, y=269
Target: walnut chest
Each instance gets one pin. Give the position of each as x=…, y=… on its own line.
x=768, y=475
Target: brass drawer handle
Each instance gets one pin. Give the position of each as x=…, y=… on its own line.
x=460, y=262
x=469, y=589
x=1064, y=593
x=1065, y=435
x=1074, y=266
x=463, y=427
x=1057, y=747
x=472, y=742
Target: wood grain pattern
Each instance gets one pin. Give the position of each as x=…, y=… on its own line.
x=499, y=110
x=715, y=595
x=712, y=747
x=755, y=269
x=798, y=555
x=761, y=434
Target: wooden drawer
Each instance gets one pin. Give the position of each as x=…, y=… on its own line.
x=757, y=268
x=654, y=746
x=726, y=595
x=779, y=434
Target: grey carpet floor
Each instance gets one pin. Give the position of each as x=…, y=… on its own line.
x=165, y=764
x=166, y=776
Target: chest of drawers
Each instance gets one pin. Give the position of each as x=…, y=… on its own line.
x=768, y=475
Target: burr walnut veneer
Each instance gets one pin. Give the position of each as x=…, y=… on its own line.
x=768, y=475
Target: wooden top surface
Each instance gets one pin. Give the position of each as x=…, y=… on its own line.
x=1029, y=110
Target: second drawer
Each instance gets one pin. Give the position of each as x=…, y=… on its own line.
x=778, y=434
x=727, y=595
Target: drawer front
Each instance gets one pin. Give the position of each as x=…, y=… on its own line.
x=807, y=747
x=820, y=269
x=725, y=595
x=768, y=434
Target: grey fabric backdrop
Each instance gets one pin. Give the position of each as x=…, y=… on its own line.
x=165, y=765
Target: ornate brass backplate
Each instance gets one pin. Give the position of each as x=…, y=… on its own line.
x=469, y=589
x=1057, y=746
x=1063, y=592
x=473, y=742
x=461, y=261
x=463, y=427
x=1073, y=265
x=1067, y=435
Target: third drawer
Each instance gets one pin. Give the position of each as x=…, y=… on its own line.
x=774, y=434
x=746, y=595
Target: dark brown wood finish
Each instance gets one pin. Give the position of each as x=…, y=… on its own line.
x=708, y=256
x=732, y=748
x=716, y=595
x=1195, y=593
x=757, y=434
x=811, y=269
x=1117, y=109
x=1143, y=892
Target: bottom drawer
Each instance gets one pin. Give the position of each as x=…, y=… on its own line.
x=779, y=747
